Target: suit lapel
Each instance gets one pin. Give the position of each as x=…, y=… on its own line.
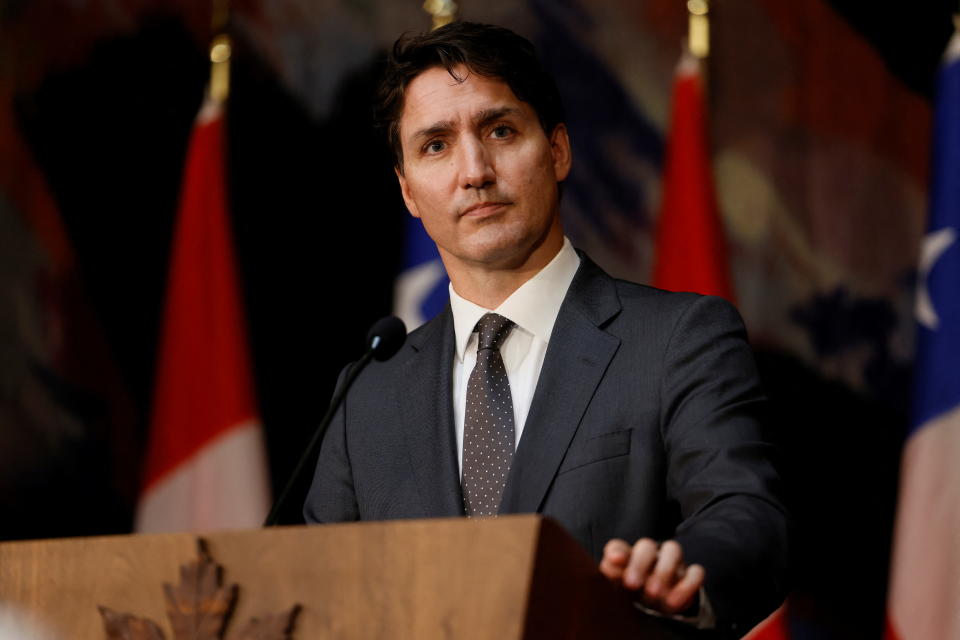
x=426, y=407
x=574, y=365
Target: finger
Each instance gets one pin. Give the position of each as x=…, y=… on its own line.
x=683, y=593
x=616, y=553
x=642, y=559
x=666, y=571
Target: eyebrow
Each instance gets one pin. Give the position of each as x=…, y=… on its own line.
x=437, y=127
x=483, y=117
x=487, y=116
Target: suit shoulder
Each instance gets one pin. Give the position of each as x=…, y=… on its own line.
x=632, y=293
x=632, y=303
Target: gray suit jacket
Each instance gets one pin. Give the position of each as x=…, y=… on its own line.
x=645, y=422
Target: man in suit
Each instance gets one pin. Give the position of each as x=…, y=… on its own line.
x=628, y=414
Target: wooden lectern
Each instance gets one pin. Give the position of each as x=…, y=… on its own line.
x=503, y=578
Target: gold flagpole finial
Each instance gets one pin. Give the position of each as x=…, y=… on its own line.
x=442, y=11
x=698, y=36
x=220, y=68
x=220, y=50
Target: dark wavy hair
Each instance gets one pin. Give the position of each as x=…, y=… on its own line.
x=486, y=50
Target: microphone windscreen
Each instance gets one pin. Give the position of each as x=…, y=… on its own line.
x=386, y=337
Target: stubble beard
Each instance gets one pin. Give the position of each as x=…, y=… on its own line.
x=499, y=244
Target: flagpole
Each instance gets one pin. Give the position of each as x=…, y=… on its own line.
x=698, y=29
x=220, y=50
x=442, y=11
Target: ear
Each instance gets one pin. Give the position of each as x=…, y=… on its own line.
x=405, y=192
x=562, y=154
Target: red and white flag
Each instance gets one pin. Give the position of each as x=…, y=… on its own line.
x=206, y=464
x=691, y=250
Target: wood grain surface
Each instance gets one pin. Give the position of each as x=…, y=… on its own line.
x=449, y=578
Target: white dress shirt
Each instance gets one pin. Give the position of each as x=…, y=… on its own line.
x=533, y=308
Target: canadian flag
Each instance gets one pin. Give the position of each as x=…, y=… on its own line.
x=691, y=250
x=206, y=465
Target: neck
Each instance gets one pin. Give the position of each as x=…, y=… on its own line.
x=489, y=285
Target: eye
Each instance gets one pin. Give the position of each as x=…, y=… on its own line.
x=434, y=146
x=501, y=131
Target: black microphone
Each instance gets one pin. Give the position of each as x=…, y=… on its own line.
x=384, y=339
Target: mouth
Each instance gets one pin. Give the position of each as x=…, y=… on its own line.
x=481, y=209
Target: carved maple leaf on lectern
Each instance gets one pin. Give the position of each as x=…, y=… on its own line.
x=199, y=608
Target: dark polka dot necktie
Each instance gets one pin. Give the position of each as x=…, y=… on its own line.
x=488, y=431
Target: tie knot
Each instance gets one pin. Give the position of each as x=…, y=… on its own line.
x=493, y=328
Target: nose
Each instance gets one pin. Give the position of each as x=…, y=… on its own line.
x=476, y=168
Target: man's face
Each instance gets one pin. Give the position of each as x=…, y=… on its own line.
x=479, y=171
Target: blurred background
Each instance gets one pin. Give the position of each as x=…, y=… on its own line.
x=820, y=125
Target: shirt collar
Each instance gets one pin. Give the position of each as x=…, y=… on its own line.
x=533, y=306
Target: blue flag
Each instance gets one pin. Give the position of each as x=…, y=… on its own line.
x=938, y=293
x=421, y=288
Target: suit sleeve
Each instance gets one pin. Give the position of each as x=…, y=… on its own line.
x=720, y=467
x=332, y=497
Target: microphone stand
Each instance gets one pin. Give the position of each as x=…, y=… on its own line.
x=317, y=438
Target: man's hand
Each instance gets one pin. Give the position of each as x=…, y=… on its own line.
x=657, y=572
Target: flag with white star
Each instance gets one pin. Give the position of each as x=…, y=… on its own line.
x=925, y=572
